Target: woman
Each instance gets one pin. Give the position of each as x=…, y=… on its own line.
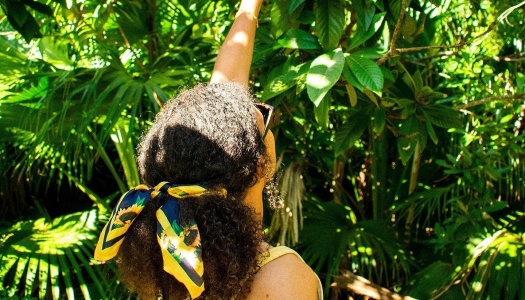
x=194, y=229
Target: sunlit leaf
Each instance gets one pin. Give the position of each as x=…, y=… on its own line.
x=283, y=78
x=299, y=39
x=365, y=11
x=363, y=35
x=280, y=18
x=322, y=111
x=43, y=250
x=520, y=81
x=324, y=72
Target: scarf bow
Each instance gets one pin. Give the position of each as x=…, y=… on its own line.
x=180, y=245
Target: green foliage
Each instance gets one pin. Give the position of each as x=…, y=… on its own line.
x=324, y=72
x=408, y=133
x=43, y=259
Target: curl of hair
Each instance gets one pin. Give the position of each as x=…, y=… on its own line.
x=206, y=135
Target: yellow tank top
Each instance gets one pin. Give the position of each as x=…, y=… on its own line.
x=277, y=252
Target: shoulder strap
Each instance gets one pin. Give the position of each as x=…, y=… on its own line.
x=276, y=252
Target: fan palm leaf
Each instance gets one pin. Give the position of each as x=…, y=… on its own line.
x=332, y=234
x=495, y=269
x=53, y=258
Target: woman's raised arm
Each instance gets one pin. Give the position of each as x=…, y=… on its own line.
x=235, y=56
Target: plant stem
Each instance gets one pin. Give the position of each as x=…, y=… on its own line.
x=416, y=162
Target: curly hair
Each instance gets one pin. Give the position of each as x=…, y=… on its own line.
x=206, y=135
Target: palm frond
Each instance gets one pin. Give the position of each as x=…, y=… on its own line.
x=369, y=247
x=495, y=268
x=53, y=258
x=288, y=220
x=429, y=204
x=498, y=264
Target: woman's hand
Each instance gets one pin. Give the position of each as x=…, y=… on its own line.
x=235, y=56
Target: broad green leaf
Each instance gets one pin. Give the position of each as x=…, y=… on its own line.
x=351, y=79
x=329, y=22
x=22, y=21
x=281, y=79
x=17, y=12
x=279, y=18
x=410, y=82
x=380, y=5
x=322, y=111
x=293, y=5
x=367, y=72
x=362, y=35
x=442, y=116
x=370, y=53
x=40, y=7
x=307, y=17
x=352, y=95
x=365, y=11
x=324, y=72
x=495, y=206
x=263, y=55
x=299, y=39
x=350, y=131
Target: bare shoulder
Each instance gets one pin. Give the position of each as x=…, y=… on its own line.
x=284, y=278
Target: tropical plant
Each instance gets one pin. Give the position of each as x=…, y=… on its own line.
x=352, y=79
x=43, y=259
x=74, y=102
x=400, y=127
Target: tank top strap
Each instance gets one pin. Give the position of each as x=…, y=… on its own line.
x=276, y=252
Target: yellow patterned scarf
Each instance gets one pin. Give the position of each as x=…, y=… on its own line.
x=180, y=246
